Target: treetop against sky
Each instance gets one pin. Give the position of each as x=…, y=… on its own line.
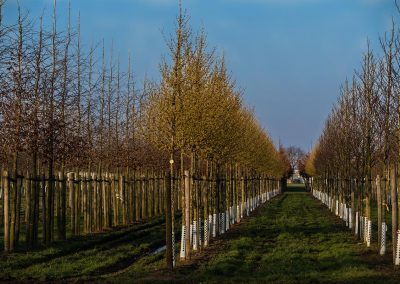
x=289, y=56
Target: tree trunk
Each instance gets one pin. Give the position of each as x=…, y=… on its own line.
x=394, y=197
x=6, y=206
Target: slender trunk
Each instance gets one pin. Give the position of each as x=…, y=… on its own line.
x=6, y=208
x=168, y=221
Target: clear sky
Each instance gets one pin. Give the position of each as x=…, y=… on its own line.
x=289, y=56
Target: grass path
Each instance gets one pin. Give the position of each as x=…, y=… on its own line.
x=292, y=239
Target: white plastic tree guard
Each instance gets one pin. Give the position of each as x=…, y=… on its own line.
x=227, y=220
x=191, y=235
x=173, y=249
x=199, y=228
x=397, y=258
x=369, y=229
x=206, y=228
x=183, y=243
x=350, y=219
x=337, y=207
x=194, y=235
x=382, y=250
x=238, y=213
x=214, y=225
x=222, y=222
x=210, y=224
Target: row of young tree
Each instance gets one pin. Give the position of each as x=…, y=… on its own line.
x=63, y=110
x=355, y=162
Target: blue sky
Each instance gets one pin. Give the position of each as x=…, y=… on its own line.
x=289, y=56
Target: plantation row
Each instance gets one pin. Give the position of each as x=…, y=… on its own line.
x=355, y=162
x=87, y=202
x=332, y=193
x=64, y=107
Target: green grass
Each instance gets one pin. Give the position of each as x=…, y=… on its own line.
x=292, y=239
x=86, y=256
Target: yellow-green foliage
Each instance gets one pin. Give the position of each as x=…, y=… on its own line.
x=197, y=108
x=310, y=166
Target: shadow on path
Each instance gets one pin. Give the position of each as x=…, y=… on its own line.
x=291, y=239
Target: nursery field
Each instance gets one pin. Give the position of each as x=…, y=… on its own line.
x=292, y=238
x=108, y=175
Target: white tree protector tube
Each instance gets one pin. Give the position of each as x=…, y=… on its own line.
x=341, y=210
x=238, y=214
x=382, y=251
x=191, y=235
x=173, y=249
x=206, y=228
x=214, y=225
x=337, y=207
x=194, y=234
x=199, y=228
x=210, y=223
x=222, y=222
x=397, y=258
x=369, y=233
x=350, y=219
x=183, y=243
